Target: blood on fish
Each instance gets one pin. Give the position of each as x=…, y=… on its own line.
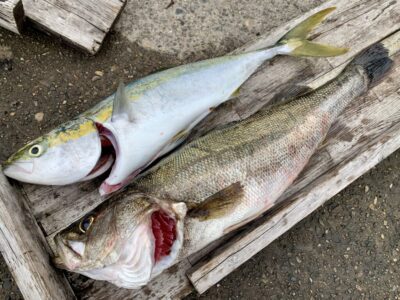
x=164, y=231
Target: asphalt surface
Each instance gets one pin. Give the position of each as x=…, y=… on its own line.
x=347, y=249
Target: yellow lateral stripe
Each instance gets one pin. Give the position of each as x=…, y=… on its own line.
x=72, y=134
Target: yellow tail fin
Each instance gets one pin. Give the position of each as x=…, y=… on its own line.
x=297, y=38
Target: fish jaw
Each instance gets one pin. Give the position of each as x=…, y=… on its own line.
x=131, y=241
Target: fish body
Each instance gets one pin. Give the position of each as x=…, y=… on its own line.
x=211, y=185
x=148, y=118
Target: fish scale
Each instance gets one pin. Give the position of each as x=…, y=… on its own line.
x=212, y=185
x=149, y=117
x=265, y=153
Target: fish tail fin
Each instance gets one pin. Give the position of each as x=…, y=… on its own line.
x=298, y=45
x=375, y=61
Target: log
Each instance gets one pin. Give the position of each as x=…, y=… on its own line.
x=25, y=250
x=11, y=15
x=84, y=24
x=354, y=24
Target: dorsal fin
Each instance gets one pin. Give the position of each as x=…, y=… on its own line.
x=121, y=104
x=219, y=204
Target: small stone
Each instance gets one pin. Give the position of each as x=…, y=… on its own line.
x=358, y=287
x=375, y=200
x=298, y=260
x=64, y=102
x=382, y=236
x=39, y=116
x=385, y=222
x=12, y=114
x=179, y=11
x=95, y=78
x=99, y=73
x=366, y=189
x=264, y=279
x=391, y=186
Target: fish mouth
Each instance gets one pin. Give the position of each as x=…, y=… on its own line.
x=67, y=250
x=17, y=169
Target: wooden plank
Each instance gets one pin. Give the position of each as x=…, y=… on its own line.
x=23, y=247
x=57, y=207
x=171, y=284
x=365, y=134
x=257, y=237
x=82, y=23
x=11, y=15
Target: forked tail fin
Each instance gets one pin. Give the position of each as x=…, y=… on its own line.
x=296, y=39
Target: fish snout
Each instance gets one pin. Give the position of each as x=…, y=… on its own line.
x=18, y=170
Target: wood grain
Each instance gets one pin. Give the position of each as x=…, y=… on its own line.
x=57, y=207
x=366, y=133
x=84, y=24
x=11, y=15
x=24, y=249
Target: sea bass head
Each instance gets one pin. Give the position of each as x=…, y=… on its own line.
x=125, y=242
x=69, y=153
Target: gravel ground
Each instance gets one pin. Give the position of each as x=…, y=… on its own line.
x=348, y=248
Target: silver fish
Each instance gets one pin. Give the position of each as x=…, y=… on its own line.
x=148, y=117
x=212, y=185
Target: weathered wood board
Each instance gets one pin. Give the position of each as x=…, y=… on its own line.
x=11, y=15
x=366, y=133
x=81, y=23
x=56, y=207
x=25, y=250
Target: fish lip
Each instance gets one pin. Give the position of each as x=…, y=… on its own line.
x=63, y=250
x=12, y=169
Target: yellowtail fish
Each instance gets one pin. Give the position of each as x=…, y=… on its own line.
x=148, y=118
x=210, y=186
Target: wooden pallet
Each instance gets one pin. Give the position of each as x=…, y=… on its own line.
x=83, y=24
x=11, y=15
x=367, y=132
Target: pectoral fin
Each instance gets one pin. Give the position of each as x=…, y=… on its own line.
x=121, y=104
x=219, y=204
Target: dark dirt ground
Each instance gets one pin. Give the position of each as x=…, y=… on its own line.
x=347, y=249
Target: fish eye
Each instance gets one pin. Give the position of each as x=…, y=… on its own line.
x=85, y=224
x=36, y=150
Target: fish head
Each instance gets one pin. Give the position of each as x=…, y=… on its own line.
x=126, y=242
x=65, y=155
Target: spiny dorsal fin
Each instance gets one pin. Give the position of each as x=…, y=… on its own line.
x=121, y=104
x=219, y=204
